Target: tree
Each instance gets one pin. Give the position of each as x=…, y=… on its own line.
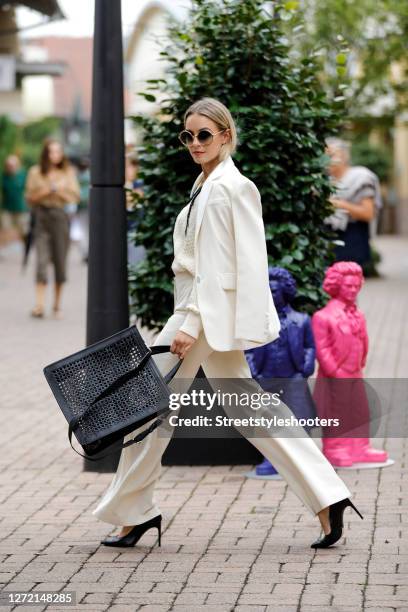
x=33, y=135
x=27, y=139
x=234, y=50
x=364, y=41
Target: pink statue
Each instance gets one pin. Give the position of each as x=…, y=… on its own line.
x=341, y=348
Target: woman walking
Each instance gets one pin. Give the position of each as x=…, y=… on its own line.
x=15, y=213
x=223, y=305
x=50, y=186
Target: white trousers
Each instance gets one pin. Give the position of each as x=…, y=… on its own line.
x=129, y=499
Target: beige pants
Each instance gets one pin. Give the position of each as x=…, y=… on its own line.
x=129, y=500
x=18, y=220
x=52, y=242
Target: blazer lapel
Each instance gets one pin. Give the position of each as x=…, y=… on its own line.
x=202, y=198
x=196, y=182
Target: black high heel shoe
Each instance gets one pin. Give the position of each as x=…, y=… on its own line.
x=135, y=534
x=336, y=523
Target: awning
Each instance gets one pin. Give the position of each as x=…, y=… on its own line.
x=43, y=68
x=46, y=7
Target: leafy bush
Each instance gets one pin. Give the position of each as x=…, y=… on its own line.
x=235, y=51
x=377, y=159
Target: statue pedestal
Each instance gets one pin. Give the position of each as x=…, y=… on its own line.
x=255, y=476
x=211, y=449
x=367, y=466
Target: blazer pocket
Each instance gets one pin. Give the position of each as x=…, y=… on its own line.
x=228, y=280
x=218, y=202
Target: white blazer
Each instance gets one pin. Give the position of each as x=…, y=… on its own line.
x=231, y=280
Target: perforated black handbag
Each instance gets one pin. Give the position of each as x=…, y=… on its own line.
x=110, y=389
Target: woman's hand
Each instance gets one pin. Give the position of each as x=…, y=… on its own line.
x=36, y=197
x=181, y=344
x=59, y=185
x=337, y=203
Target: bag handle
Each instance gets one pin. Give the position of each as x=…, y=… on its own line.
x=154, y=350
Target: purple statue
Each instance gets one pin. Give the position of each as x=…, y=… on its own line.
x=342, y=345
x=287, y=362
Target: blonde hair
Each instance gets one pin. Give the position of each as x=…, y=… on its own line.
x=217, y=112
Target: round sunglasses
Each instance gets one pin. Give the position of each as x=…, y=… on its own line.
x=204, y=137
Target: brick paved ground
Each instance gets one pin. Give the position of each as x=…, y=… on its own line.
x=229, y=543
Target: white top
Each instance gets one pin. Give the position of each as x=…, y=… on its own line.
x=183, y=245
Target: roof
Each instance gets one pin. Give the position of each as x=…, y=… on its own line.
x=46, y=7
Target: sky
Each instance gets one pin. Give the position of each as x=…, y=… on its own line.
x=80, y=13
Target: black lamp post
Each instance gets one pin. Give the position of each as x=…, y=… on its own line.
x=108, y=307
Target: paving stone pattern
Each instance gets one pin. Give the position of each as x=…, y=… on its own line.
x=229, y=543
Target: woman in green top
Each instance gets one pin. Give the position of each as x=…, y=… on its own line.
x=15, y=211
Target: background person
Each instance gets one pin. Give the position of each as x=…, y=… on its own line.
x=50, y=186
x=133, y=186
x=15, y=213
x=132, y=183
x=357, y=199
x=80, y=223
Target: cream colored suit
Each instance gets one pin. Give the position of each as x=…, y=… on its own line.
x=237, y=311
x=231, y=281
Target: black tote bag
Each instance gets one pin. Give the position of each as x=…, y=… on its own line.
x=110, y=389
